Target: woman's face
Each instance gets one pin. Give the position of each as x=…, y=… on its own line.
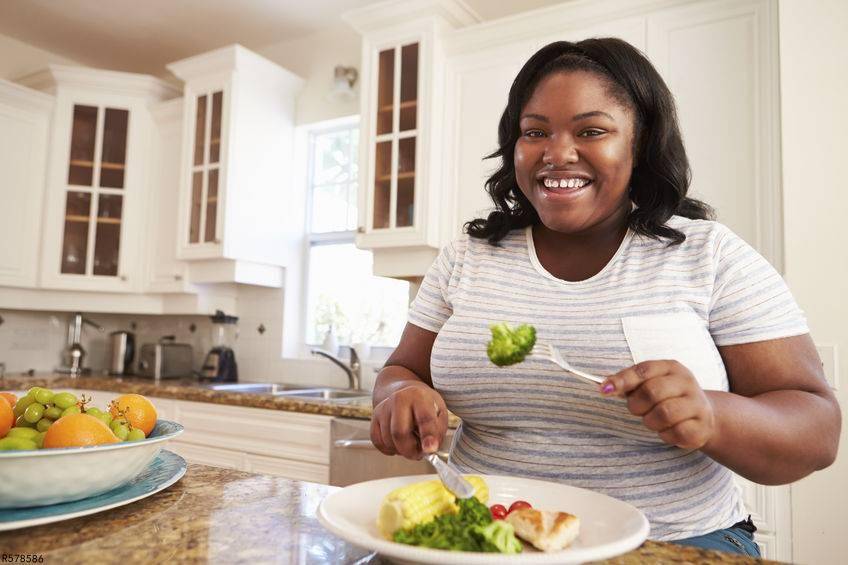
x=574, y=155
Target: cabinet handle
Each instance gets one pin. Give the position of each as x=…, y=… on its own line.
x=178, y=277
x=360, y=229
x=124, y=278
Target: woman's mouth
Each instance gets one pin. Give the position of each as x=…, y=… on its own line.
x=564, y=187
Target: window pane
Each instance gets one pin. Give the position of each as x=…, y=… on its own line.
x=332, y=158
x=330, y=208
x=343, y=293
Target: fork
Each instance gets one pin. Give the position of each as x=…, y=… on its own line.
x=548, y=351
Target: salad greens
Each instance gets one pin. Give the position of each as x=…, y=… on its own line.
x=471, y=529
x=510, y=346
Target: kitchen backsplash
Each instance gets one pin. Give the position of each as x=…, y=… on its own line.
x=35, y=340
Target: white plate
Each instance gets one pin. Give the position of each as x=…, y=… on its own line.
x=608, y=527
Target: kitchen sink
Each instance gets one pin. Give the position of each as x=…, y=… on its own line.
x=255, y=388
x=326, y=393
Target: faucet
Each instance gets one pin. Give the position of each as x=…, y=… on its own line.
x=74, y=353
x=354, y=371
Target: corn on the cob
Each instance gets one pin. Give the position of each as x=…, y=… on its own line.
x=414, y=504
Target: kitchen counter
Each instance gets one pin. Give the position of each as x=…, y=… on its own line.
x=224, y=516
x=189, y=389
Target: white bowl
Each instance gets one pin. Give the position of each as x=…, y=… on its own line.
x=62, y=474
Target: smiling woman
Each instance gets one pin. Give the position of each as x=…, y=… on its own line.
x=708, y=360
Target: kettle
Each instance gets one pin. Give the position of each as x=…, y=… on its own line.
x=123, y=349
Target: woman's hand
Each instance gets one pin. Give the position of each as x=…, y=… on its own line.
x=412, y=412
x=669, y=400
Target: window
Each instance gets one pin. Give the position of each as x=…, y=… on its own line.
x=342, y=294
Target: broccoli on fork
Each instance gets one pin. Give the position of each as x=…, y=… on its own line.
x=509, y=346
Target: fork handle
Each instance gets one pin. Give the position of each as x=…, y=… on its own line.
x=592, y=378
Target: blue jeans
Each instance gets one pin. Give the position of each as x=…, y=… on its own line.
x=738, y=538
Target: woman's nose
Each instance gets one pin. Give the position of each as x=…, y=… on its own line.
x=560, y=152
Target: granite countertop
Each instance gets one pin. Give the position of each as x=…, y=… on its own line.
x=224, y=516
x=190, y=389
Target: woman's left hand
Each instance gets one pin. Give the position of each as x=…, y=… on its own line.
x=669, y=400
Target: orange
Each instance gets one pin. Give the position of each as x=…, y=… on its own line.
x=10, y=397
x=78, y=430
x=138, y=411
x=7, y=418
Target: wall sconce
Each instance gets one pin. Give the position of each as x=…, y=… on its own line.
x=343, y=80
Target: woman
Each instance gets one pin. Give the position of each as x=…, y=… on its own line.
x=710, y=364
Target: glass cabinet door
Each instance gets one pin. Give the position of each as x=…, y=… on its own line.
x=395, y=143
x=94, y=192
x=206, y=164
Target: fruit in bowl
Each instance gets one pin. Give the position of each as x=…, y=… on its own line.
x=58, y=448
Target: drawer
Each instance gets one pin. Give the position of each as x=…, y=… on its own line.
x=204, y=455
x=287, y=468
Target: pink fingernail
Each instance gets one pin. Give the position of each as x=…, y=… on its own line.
x=608, y=388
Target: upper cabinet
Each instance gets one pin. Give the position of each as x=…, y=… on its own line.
x=24, y=131
x=96, y=177
x=236, y=195
x=401, y=104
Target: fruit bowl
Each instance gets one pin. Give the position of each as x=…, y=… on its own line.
x=49, y=476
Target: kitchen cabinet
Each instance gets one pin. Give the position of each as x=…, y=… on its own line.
x=400, y=136
x=25, y=122
x=238, y=212
x=96, y=176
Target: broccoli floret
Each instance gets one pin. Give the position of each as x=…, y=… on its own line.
x=510, y=346
x=498, y=536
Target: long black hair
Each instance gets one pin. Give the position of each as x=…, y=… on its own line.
x=661, y=174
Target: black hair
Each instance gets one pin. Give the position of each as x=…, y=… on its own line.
x=661, y=174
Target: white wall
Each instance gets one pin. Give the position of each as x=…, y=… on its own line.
x=18, y=59
x=814, y=91
x=314, y=57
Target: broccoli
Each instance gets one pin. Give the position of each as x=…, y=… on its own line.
x=510, y=346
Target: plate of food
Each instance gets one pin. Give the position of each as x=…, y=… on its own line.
x=508, y=520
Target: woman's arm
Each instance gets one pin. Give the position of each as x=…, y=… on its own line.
x=781, y=421
x=406, y=407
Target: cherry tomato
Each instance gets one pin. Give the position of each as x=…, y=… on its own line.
x=498, y=511
x=518, y=504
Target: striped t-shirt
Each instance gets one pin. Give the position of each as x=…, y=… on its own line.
x=649, y=302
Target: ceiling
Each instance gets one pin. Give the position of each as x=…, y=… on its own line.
x=142, y=36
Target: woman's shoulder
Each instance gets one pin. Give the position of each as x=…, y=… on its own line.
x=705, y=236
x=467, y=244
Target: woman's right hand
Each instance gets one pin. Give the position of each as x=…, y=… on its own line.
x=412, y=412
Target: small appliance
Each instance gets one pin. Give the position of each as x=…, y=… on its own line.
x=220, y=363
x=166, y=359
x=123, y=351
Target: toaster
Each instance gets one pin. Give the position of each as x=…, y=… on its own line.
x=165, y=360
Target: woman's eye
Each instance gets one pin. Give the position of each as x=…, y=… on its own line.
x=591, y=132
x=534, y=133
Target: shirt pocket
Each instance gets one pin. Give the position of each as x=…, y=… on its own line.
x=681, y=336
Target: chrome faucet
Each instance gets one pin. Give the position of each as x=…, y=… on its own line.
x=354, y=371
x=75, y=354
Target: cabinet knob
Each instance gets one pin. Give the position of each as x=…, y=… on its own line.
x=178, y=277
x=360, y=229
x=124, y=278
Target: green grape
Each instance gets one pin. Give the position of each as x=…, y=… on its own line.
x=16, y=443
x=39, y=440
x=93, y=411
x=121, y=431
x=54, y=413
x=44, y=396
x=135, y=435
x=20, y=422
x=22, y=404
x=43, y=424
x=26, y=433
x=33, y=413
x=71, y=410
x=65, y=400
x=31, y=392
x=105, y=417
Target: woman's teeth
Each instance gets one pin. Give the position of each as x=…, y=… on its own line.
x=566, y=183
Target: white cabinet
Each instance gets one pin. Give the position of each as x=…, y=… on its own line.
x=165, y=272
x=96, y=177
x=401, y=132
x=239, y=215
x=24, y=123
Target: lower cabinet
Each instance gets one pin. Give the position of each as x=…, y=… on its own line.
x=273, y=442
